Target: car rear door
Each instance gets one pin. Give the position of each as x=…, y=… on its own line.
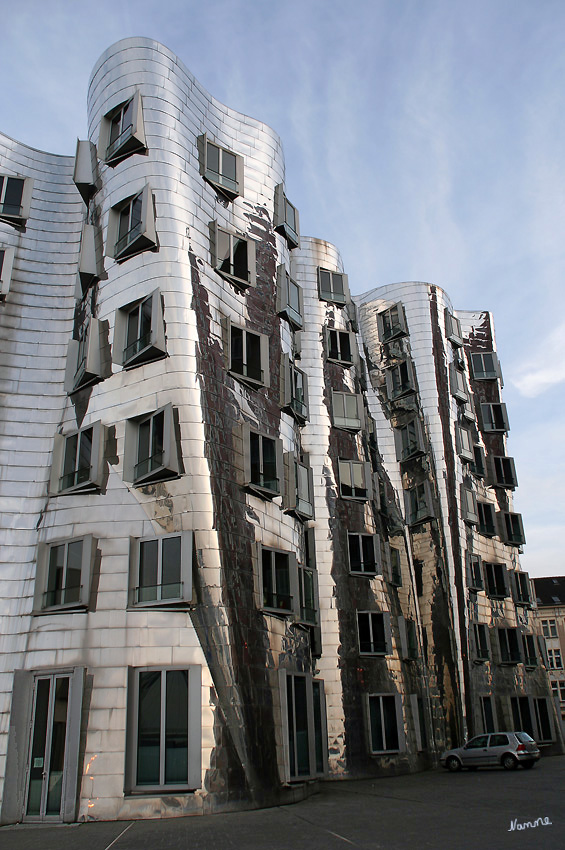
x=497, y=746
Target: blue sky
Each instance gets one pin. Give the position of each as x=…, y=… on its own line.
x=425, y=138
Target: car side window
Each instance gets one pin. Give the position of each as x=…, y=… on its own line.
x=498, y=740
x=475, y=743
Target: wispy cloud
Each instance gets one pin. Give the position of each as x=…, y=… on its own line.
x=547, y=369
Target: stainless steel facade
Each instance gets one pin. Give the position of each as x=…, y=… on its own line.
x=222, y=578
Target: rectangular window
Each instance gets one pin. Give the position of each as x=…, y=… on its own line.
x=392, y=323
x=233, y=256
x=554, y=659
x=521, y=589
x=304, y=718
x=161, y=570
x=15, y=198
x=289, y=299
x=453, y=329
x=482, y=651
x=485, y=366
x=63, y=576
x=512, y=530
x=88, y=356
x=164, y=729
x=374, y=633
x=487, y=522
x=408, y=639
x=221, y=168
x=364, y=553
x=152, y=449
x=469, y=506
x=308, y=596
x=409, y=440
x=263, y=463
x=248, y=355
x=495, y=580
x=341, y=346
x=122, y=131
x=6, y=264
x=487, y=711
x=347, y=411
x=509, y=644
x=286, y=219
x=464, y=442
x=474, y=572
x=504, y=472
x=458, y=383
x=400, y=380
x=78, y=460
x=543, y=720
x=139, y=331
x=299, y=490
x=395, y=566
x=279, y=580
x=418, y=503
x=529, y=649
x=131, y=226
x=478, y=463
x=385, y=723
x=294, y=390
x=354, y=480
x=522, y=715
x=494, y=417
x=549, y=628
x=332, y=286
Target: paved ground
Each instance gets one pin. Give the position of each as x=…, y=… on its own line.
x=437, y=810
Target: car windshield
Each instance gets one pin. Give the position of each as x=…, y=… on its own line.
x=524, y=738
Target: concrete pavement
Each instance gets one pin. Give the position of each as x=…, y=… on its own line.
x=435, y=810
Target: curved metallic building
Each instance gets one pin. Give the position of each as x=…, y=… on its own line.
x=255, y=532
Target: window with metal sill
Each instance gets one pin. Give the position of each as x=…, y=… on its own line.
x=161, y=570
x=294, y=390
x=139, y=332
x=279, y=581
x=15, y=199
x=340, y=346
x=248, y=355
x=152, y=451
x=374, y=633
x=221, y=168
x=391, y=323
x=233, y=256
x=131, y=226
x=289, y=298
x=263, y=463
x=78, y=461
x=286, y=218
x=122, y=132
x=354, y=480
x=364, y=554
x=63, y=576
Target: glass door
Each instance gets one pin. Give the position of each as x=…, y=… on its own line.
x=46, y=773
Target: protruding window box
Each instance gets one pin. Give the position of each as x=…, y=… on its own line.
x=496, y=581
x=131, y=226
x=511, y=528
x=418, y=503
x=494, y=417
x=409, y=440
x=374, y=632
x=286, y=218
x=89, y=268
x=78, y=461
x=248, y=355
x=392, y=323
x=152, y=450
x=63, y=577
x=341, y=347
x=364, y=554
x=6, y=264
x=355, y=480
x=453, y=329
x=15, y=199
x=290, y=302
x=485, y=366
x=139, y=332
x=122, y=132
x=503, y=472
x=294, y=390
x=278, y=580
x=161, y=571
x=88, y=358
x=233, y=256
x=400, y=380
x=84, y=175
x=347, y=411
x=521, y=591
x=263, y=463
x=221, y=168
x=299, y=490
x=333, y=287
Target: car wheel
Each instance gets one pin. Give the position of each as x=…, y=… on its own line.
x=528, y=764
x=509, y=762
x=453, y=764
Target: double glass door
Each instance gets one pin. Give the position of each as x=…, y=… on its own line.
x=49, y=729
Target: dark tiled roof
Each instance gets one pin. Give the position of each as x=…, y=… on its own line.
x=550, y=590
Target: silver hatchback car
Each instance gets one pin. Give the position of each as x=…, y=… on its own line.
x=508, y=749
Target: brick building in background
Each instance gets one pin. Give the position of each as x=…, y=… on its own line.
x=255, y=531
x=550, y=620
